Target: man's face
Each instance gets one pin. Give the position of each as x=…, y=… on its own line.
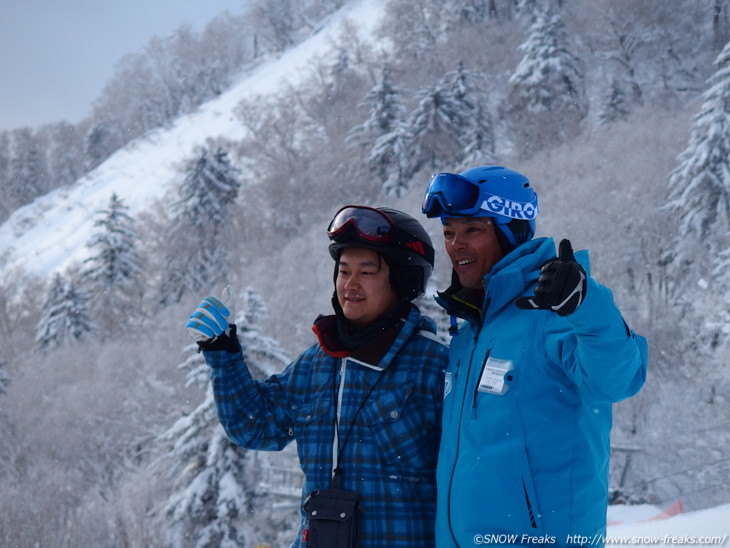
x=472, y=246
x=363, y=286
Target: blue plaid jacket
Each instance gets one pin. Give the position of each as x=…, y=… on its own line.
x=388, y=448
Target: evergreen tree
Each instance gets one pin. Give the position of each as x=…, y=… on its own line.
x=28, y=169
x=699, y=193
x=216, y=501
x=112, y=272
x=413, y=29
x=479, y=139
x=614, y=106
x=209, y=189
x=546, y=100
x=385, y=110
x=448, y=123
x=457, y=12
x=390, y=159
x=5, y=208
x=64, y=315
x=4, y=381
x=99, y=144
x=65, y=153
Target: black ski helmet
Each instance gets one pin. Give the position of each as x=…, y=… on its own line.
x=399, y=238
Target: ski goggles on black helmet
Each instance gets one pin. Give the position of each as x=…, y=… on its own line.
x=368, y=224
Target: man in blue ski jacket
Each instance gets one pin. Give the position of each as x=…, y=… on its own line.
x=534, y=367
x=364, y=404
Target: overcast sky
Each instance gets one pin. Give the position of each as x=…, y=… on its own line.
x=56, y=55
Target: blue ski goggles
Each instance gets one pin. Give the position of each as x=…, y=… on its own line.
x=452, y=195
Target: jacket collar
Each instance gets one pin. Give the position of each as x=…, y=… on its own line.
x=507, y=280
x=380, y=350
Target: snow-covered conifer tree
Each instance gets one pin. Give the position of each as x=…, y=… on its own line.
x=200, y=254
x=546, y=100
x=216, y=500
x=386, y=110
x=111, y=274
x=65, y=153
x=28, y=168
x=5, y=207
x=4, y=381
x=456, y=12
x=614, y=105
x=698, y=256
x=64, y=315
x=448, y=123
x=98, y=144
x=699, y=187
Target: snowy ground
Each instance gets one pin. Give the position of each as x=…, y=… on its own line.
x=646, y=525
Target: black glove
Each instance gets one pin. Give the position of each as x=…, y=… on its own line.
x=562, y=284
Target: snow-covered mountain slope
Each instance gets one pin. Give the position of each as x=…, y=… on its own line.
x=51, y=233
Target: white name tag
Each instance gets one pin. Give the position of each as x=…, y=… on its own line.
x=492, y=379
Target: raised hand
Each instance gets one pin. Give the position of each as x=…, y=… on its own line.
x=562, y=284
x=209, y=320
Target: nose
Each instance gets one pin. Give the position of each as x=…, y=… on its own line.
x=351, y=282
x=457, y=242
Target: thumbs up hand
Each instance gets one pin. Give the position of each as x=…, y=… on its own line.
x=561, y=287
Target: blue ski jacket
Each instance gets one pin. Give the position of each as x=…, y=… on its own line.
x=528, y=409
x=389, y=406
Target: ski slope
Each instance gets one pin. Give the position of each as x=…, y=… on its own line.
x=50, y=234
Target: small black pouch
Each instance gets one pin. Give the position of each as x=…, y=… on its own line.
x=333, y=518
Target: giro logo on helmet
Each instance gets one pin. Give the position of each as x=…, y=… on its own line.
x=508, y=208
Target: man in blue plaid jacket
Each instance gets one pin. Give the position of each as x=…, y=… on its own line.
x=366, y=400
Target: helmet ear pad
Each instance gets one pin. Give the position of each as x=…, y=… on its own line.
x=514, y=233
x=406, y=280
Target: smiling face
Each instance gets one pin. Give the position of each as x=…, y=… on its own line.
x=473, y=247
x=363, y=286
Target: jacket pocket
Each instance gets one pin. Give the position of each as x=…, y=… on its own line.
x=402, y=427
x=312, y=411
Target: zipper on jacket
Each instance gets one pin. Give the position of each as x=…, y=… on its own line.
x=338, y=410
x=458, y=439
x=476, y=388
x=454, y=380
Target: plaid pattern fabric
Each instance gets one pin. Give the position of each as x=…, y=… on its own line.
x=389, y=447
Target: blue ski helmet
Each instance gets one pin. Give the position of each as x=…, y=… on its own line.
x=486, y=191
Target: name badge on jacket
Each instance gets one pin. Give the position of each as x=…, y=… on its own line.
x=492, y=379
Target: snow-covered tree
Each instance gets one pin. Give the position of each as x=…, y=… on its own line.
x=4, y=381
x=200, y=253
x=386, y=109
x=99, y=143
x=413, y=28
x=697, y=258
x=614, y=106
x=546, y=101
x=65, y=153
x=699, y=187
x=5, y=208
x=111, y=274
x=478, y=11
x=448, y=123
x=216, y=483
x=28, y=168
x=211, y=184
x=64, y=315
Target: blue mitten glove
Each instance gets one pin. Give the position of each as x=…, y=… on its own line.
x=209, y=321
